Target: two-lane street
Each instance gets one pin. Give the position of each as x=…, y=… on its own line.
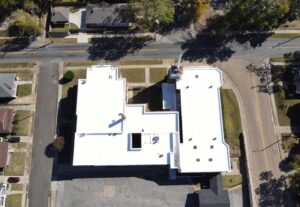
x=44, y=131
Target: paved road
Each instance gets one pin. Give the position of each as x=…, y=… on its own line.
x=45, y=125
x=150, y=51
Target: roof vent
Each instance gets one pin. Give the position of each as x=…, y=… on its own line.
x=198, y=160
x=210, y=159
x=195, y=147
x=215, y=138
x=211, y=146
x=196, y=76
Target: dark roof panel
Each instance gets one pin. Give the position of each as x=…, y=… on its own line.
x=107, y=14
x=7, y=85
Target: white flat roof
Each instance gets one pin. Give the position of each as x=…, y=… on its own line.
x=103, y=138
x=203, y=148
x=100, y=100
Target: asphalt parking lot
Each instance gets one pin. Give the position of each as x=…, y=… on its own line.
x=122, y=192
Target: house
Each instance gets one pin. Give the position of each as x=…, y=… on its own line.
x=60, y=15
x=187, y=135
x=215, y=196
x=106, y=15
x=8, y=88
x=3, y=154
x=6, y=119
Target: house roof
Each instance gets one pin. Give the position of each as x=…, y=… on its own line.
x=7, y=85
x=6, y=119
x=107, y=14
x=215, y=196
x=60, y=14
x=3, y=154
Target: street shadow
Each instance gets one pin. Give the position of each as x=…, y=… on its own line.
x=115, y=48
x=272, y=191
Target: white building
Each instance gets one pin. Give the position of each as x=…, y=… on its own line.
x=187, y=135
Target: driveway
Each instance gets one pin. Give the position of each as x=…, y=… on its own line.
x=44, y=131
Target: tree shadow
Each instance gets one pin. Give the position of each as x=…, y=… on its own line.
x=115, y=48
x=272, y=191
x=14, y=45
x=213, y=43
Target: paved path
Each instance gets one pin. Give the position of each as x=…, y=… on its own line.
x=45, y=122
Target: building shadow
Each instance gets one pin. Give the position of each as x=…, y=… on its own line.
x=115, y=48
x=152, y=96
x=192, y=200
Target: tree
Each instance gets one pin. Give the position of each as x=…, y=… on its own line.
x=257, y=14
x=25, y=25
x=148, y=13
x=59, y=143
x=295, y=186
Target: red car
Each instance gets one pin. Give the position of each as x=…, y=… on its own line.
x=13, y=179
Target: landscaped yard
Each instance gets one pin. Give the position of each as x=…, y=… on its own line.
x=78, y=74
x=134, y=75
x=20, y=145
x=13, y=200
x=157, y=74
x=17, y=187
x=64, y=40
x=232, y=120
x=63, y=29
x=17, y=65
x=81, y=63
x=24, y=90
x=16, y=166
x=21, y=122
x=231, y=180
x=140, y=62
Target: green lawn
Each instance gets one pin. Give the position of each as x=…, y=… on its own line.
x=64, y=40
x=21, y=122
x=140, y=62
x=81, y=63
x=64, y=29
x=157, y=74
x=231, y=180
x=17, y=163
x=287, y=109
x=78, y=74
x=20, y=145
x=17, y=65
x=25, y=76
x=134, y=75
x=286, y=35
x=24, y=90
x=17, y=187
x=3, y=33
x=13, y=200
x=232, y=120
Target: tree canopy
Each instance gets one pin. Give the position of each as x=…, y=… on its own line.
x=257, y=14
x=148, y=13
x=25, y=25
x=295, y=186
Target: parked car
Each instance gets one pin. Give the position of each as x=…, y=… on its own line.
x=13, y=179
x=13, y=139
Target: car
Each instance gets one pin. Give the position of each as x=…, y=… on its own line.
x=13, y=179
x=13, y=139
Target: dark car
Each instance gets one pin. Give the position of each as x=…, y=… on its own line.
x=13, y=139
x=13, y=179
